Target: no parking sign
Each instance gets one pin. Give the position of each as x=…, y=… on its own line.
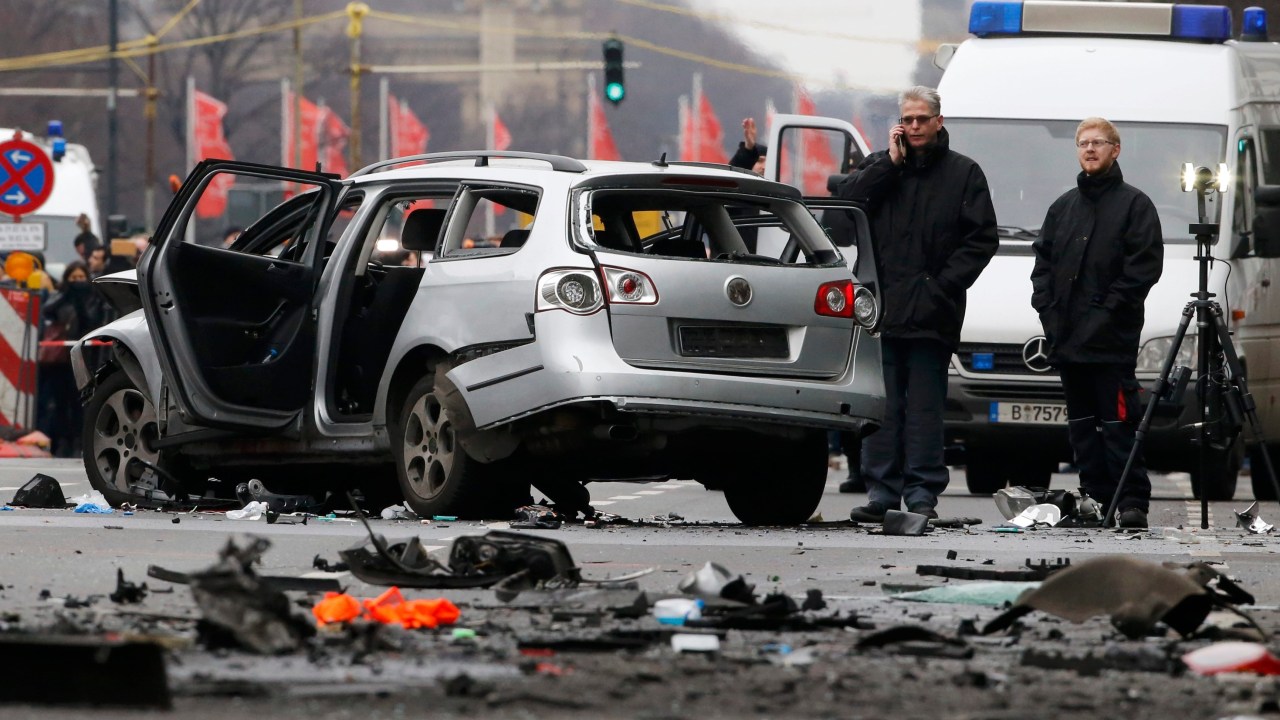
x=26, y=178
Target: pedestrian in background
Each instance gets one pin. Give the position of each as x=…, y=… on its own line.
x=750, y=154
x=86, y=241
x=1099, y=253
x=934, y=230
x=73, y=311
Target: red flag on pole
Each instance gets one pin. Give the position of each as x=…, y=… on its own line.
x=336, y=133
x=602, y=146
x=710, y=142
x=687, y=150
x=310, y=132
x=409, y=136
x=211, y=144
x=818, y=161
x=501, y=136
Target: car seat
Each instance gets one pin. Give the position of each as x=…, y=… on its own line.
x=514, y=238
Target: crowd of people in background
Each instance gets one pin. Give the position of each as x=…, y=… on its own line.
x=68, y=307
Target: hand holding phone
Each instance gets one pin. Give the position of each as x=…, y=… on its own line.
x=897, y=144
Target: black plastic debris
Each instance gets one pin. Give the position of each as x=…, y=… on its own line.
x=813, y=600
x=1134, y=593
x=127, y=592
x=41, y=491
x=59, y=670
x=917, y=641
x=537, y=517
x=324, y=565
x=713, y=580
x=255, y=491
x=1027, y=573
x=897, y=522
x=239, y=610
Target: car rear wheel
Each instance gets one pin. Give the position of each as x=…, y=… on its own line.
x=435, y=473
x=1219, y=482
x=119, y=435
x=989, y=470
x=779, y=485
x=1262, y=487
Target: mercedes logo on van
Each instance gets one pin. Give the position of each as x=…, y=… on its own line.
x=1035, y=354
x=738, y=290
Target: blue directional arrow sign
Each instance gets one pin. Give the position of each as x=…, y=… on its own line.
x=26, y=178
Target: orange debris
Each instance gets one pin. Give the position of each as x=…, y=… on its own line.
x=389, y=608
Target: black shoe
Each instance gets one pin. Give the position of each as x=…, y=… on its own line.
x=1133, y=518
x=869, y=513
x=853, y=485
x=925, y=511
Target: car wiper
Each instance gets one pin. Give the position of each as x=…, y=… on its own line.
x=1013, y=231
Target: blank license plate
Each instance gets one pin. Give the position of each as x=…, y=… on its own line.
x=1028, y=413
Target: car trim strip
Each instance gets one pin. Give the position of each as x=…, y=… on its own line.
x=503, y=378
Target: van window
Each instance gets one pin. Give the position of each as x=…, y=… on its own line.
x=1246, y=179
x=1270, y=156
x=1029, y=163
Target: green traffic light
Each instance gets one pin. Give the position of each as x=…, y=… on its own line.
x=615, y=92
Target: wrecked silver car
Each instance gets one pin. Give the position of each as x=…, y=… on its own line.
x=539, y=319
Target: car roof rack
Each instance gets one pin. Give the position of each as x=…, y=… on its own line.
x=713, y=166
x=559, y=163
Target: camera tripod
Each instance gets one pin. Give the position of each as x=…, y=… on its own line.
x=1222, y=393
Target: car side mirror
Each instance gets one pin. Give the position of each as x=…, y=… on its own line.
x=1266, y=221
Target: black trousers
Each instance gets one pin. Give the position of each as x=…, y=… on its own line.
x=1103, y=411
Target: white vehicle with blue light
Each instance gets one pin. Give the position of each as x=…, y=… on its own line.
x=1181, y=87
x=52, y=229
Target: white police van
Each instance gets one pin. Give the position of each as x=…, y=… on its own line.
x=1182, y=87
x=52, y=229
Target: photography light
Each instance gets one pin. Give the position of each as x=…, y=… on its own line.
x=1224, y=177
x=1203, y=179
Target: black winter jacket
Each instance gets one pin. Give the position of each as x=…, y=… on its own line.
x=934, y=230
x=1100, y=250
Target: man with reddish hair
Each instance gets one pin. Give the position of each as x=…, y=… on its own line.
x=1100, y=251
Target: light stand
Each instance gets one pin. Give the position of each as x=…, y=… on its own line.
x=1219, y=381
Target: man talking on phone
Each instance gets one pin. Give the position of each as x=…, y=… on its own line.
x=934, y=230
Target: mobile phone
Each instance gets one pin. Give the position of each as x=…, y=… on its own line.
x=902, y=143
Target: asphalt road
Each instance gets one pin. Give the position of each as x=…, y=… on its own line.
x=67, y=553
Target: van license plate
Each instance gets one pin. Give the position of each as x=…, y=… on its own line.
x=1028, y=413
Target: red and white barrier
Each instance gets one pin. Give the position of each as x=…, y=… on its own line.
x=19, y=338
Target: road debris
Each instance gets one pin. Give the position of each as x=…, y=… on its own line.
x=897, y=522
x=1232, y=657
x=1251, y=521
x=678, y=611
x=92, y=503
x=389, y=608
x=713, y=580
x=41, y=491
x=255, y=491
x=88, y=671
x=991, y=594
x=1134, y=593
x=251, y=511
x=127, y=592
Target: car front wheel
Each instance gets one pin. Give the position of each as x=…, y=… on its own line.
x=120, y=431
x=778, y=485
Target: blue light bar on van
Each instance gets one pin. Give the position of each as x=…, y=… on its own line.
x=1253, y=26
x=1202, y=22
x=995, y=18
x=1067, y=17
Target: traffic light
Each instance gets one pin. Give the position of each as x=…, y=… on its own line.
x=614, y=89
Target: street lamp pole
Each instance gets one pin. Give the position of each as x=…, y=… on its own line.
x=356, y=11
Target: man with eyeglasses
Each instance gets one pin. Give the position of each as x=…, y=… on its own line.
x=934, y=230
x=1100, y=251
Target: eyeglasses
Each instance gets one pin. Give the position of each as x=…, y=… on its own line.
x=1094, y=143
x=915, y=119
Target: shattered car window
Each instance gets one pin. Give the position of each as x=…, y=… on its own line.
x=696, y=225
x=489, y=220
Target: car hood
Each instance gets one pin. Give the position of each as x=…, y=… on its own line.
x=999, y=304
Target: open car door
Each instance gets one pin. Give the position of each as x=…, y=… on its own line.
x=806, y=151
x=232, y=320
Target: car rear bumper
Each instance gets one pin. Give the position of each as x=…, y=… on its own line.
x=573, y=360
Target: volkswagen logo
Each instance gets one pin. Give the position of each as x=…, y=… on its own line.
x=1035, y=354
x=738, y=290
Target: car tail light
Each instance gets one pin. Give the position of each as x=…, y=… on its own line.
x=843, y=298
x=629, y=287
x=572, y=289
x=835, y=299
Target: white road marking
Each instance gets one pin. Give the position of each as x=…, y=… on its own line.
x=601, y=502
x=650, y=492
x=625, y=497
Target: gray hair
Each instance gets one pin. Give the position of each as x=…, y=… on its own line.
x=927, y=95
